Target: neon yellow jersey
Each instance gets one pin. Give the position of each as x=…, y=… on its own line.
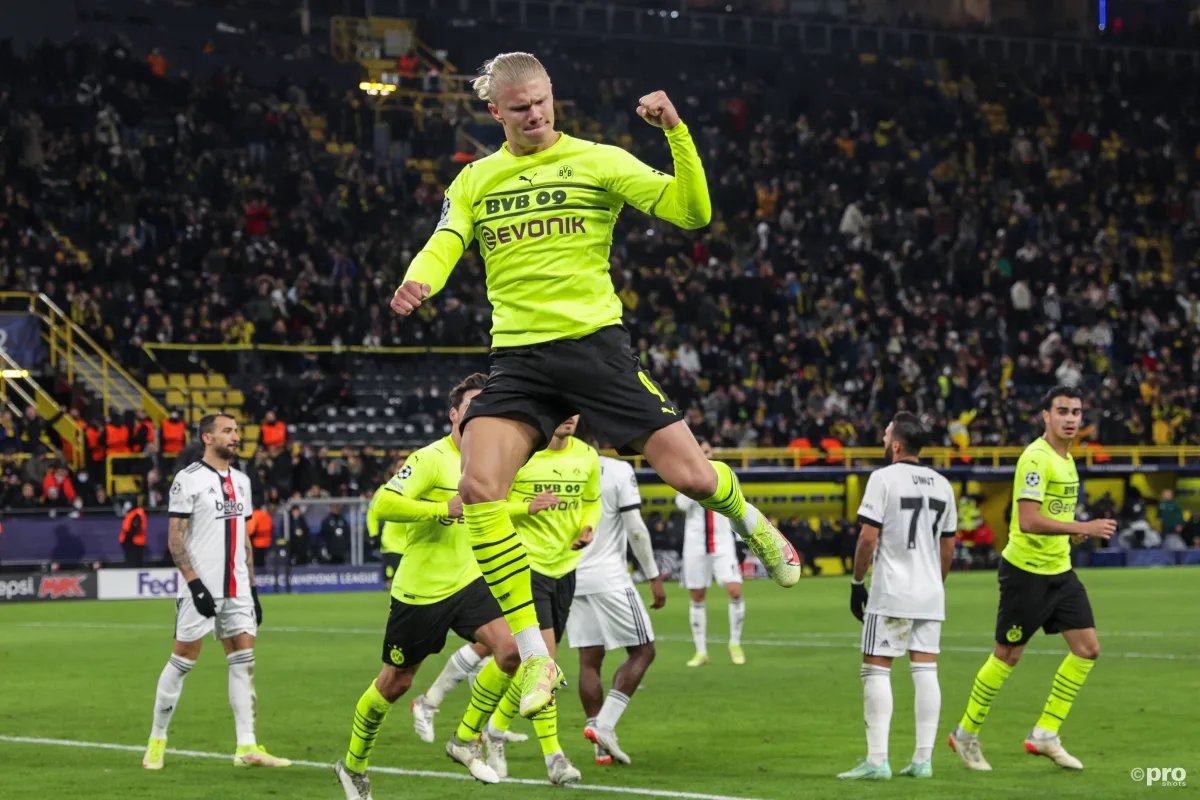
x=573, y=474
x=438, y=561
x=391, y=533
x=545, y=227
x=1048, y=478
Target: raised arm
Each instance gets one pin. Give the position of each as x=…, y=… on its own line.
x=431, y=267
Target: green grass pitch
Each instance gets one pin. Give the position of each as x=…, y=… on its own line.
x=779, y=727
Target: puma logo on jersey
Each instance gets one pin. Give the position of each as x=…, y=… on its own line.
x=528, y=180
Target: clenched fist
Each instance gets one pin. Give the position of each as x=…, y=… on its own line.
x=657, y=109
x=408, y=297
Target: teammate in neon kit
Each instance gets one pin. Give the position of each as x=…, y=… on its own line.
x=543, y=208
x=209, y=504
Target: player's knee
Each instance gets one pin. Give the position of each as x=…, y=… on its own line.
x=480, y=489
x=1087, y=650
x=735, y=591
x=645, y=653
x=1008, y=654
x=392, y=683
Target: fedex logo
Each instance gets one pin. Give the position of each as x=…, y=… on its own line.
x=149, y=586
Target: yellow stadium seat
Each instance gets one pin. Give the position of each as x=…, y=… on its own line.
x=237, y=414
x=196, y=414
x=251, y=432
x=197, y=381
x=126, y=484
x=235, y=398
x=176, y=399
x=217, y=381
x=247, y=449
x=215, y=399
x=157, y=383
x=177, y=381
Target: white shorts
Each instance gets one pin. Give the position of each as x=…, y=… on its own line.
x=234, y=615
x=700, y=569
x=893, y=636
x=614, y=619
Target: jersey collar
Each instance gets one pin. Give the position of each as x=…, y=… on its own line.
x=562, y=137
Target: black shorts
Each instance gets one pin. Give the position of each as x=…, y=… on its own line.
x=391, y=565
x=596, y=376
x=552, y=598
x=1029, y=601
x=415, y=632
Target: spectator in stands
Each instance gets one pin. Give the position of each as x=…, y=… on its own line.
x=142, y=435
x=57, y=486
x=272, y=433
x=1171, y=521
x=173, y=437
x=28, y=498
x=300, y=537
x=10, y=434
x=335, y=536
x=261, y=529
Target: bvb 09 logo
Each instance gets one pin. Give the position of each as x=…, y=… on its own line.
x=396, y=655
x=1014, y=634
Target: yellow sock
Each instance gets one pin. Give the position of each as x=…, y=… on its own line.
x=369, y=714
x=490, y=686
x=988, y=680
x=1068, y=680
x=503, y=561
x=507, y=708
x=727, y=500
x=545, y=724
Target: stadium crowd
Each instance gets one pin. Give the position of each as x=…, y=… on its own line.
x=950, y=238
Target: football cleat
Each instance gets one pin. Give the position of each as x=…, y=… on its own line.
x=775, y=553
x=539, y=678
x=255, y=755
x=422, y=714
x=866, y=771
x=915, y=770
x=1051, y=747
x=736, y=654
x=495, y=754
x=698, y=660
x=154, y=754
x=967, y=747
x=470, y=755
x=606, y=740
x=562, y=772
x=356, y=784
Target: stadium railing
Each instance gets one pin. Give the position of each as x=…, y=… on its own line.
x=71, y=348
x=15, y=380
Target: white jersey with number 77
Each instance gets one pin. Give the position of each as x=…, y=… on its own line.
x=914, y=508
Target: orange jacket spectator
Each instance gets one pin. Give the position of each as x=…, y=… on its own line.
x=174, y=435
x=59, y=479
x=143, y=435
x=135, y=526
x=273, y=432
x=260, y=527
x=116, y=437
x=95, y=442
x=157, y=63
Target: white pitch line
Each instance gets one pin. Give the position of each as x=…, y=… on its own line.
x=818, y=640
x=414, y=773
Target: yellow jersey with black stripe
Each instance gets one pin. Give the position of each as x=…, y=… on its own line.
x=438, y=561
x=544, y=223
x=573, y=475
x=1051, y=480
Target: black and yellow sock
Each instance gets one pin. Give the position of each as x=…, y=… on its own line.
x=727, y=500
x=503, y=561
x=507, y=708
x=369, y=715
x=490, y=686
x=545, y=725
x=988, y=680
x=1068, y=680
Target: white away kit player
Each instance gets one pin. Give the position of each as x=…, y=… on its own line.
x=908, y=515
x=209, y=506
x=608, y=613
x=709, y=555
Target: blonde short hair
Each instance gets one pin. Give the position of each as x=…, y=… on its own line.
x=506, y=69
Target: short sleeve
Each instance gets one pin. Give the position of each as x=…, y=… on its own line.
x=638, y=184
x=629, y=496
x=180, y=500
x=1030, y=480
x=870, y=510
x=416, y=477
x=458, y=212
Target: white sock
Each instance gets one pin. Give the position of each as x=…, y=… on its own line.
x=737, y=613
x=610, y=713
x=531, y=644
x=166, y=697
x=492, y=731
x=461, y=662
x=877, y=709
x=699, y=617
x=591, y=722
x=1041, y=733
x=550, y=758
x=241, y=695
x=744, y=525
x=928, y=704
